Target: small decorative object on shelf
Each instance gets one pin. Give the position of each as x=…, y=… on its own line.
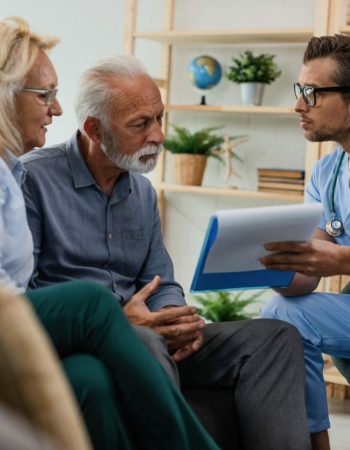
x=191, y=151
x=281, y=181
x=226, y=306
x=253, y=73
x=226, y=152
x=204, y=73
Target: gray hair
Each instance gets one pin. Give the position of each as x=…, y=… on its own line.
x=95, y=91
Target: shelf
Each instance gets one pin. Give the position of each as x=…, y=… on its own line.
x=332, y=375
x=243, y=36
x=202, y=190
x=273, y=110
x=345, y=29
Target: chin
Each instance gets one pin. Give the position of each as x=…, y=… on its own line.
x=40, y=143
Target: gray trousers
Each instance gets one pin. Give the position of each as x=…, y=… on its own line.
x=261, y=364
x=157, y=346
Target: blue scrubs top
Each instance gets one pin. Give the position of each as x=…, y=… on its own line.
x=319, y=190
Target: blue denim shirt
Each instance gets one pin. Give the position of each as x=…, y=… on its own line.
x=80, y=232
x=16, y=244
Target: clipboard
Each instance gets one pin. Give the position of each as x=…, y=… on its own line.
x=234, y=242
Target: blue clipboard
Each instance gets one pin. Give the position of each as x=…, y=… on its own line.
x=244, y=232
x=256, y=279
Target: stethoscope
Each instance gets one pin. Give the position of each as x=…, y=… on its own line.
x=334, y=225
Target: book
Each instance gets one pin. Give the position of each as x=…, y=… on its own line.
x=285, y=180
x=285, y=173
x=234, y=242
x=288, y=186
x=282, y=191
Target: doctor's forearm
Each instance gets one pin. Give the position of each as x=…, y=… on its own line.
x=342, y=263
x=301, y=285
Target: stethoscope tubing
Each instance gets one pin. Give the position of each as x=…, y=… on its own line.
x=334, y=225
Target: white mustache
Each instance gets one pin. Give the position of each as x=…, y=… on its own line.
x=150, y=150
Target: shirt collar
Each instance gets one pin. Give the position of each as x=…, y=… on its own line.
x=16, y=166
x=82, y=176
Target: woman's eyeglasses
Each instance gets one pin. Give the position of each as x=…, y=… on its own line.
x=48, y=96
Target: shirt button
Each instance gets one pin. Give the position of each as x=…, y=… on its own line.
x=110, y=235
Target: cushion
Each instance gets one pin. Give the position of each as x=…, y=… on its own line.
x=17, y=433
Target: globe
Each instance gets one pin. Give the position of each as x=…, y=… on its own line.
x=204, y=73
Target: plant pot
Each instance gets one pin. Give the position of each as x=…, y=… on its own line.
x=189, y=169
x=252, y=93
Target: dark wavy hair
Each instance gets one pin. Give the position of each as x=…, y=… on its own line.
x=336, y=47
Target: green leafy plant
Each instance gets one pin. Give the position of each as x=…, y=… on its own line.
x=202, y=142
x=226, y=306
x=248, y=68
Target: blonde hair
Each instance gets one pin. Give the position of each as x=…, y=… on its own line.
x=18, y=50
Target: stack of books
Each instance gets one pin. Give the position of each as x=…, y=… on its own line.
x=281, y=181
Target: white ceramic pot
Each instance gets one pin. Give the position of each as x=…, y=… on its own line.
x=252, y=93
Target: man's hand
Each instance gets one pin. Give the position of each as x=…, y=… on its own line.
x=317, y=257
x=180, y=326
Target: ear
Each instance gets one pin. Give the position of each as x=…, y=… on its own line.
x=92, y=128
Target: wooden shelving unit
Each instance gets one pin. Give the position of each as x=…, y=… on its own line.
x=325, y=11
x=169, y=38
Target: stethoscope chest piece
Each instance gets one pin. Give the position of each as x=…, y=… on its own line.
x=334, y=227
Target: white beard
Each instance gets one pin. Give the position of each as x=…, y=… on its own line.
x=129, y=162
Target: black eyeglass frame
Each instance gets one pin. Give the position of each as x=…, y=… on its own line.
x=300, y=90
x=49, y=94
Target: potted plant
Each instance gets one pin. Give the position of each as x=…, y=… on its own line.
x=253, y=73
x=191, y=151
x=226, y=306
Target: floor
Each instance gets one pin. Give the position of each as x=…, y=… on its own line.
x=339, y=412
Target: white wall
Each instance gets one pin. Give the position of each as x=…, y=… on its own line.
x=88, y=29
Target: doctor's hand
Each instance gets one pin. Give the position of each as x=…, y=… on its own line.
x=318, y=257
x=180, y=325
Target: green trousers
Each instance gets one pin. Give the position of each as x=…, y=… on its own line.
x=127, y=400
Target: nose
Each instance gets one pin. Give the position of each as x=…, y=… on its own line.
x=56, y=108
x=156, y=135
x=301, y=105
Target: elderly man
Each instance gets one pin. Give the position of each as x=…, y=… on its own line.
x=94, y=217
x=323, y=104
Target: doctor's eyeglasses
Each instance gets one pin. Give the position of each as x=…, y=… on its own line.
x=45, y=96
x=309, y=92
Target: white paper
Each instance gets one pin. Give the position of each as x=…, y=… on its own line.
x=242, y=234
